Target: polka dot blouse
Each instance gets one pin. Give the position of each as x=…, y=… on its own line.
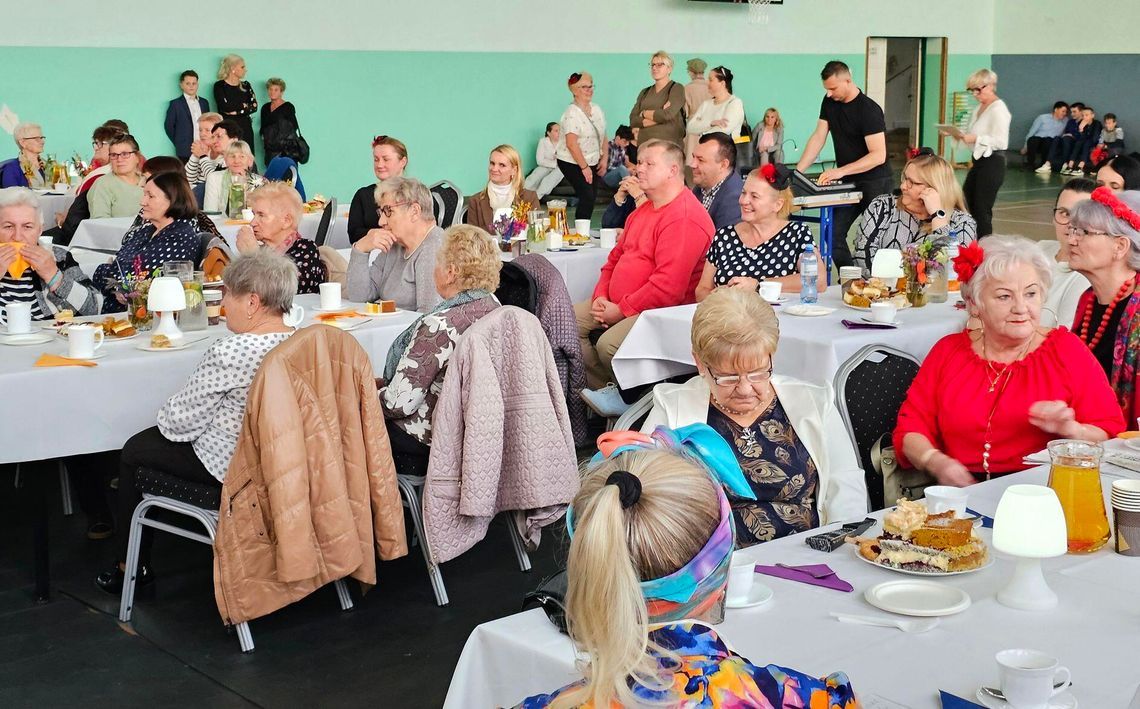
x=775, y=258
x=311, y=271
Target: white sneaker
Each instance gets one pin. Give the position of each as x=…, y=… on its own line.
x=605, y=402
x=1045, y=168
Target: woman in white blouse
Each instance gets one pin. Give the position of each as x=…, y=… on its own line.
x=723, y=112
x=987, y=135
x=546, y=175
x=581, y=154
x=198, y=427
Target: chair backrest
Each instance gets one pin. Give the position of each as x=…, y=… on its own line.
x=199, y=191
x=3, y=165
x=328, y=218
x=635, y=415
x=870, y=388
x=204, y=239
x=335, y=263
x=517, y=287
x=448, y=199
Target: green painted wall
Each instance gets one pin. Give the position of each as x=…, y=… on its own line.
x=450, y=108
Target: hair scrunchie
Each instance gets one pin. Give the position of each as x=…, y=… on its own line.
x=628, y=485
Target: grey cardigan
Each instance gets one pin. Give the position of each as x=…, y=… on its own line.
x=396, y=275
x=777, y=148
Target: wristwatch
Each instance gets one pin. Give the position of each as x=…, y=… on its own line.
x=940, y=214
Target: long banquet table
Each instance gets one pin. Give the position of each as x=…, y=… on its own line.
x=811, y=348
x=1093, y=631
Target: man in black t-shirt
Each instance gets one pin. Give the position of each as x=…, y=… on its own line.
x=858, y=133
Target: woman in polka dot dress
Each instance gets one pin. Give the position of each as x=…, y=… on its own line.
x=765, y=245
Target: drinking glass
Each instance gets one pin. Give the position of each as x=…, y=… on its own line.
x=1075, y=477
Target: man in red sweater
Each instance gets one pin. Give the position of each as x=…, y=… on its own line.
x=656, y=264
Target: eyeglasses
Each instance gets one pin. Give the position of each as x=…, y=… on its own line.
x=100, y=143
x=34, y=137
x=655, y=65
x=913, y=183
x=1061, y=216
x=586, y=87
x=120, y=156
x=389, y=209
x=977, y=89
x=733, y=380
x=1082, y=233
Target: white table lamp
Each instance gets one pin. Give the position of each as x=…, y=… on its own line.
x=166, y=295
x=1029, y=524
x=887, y=264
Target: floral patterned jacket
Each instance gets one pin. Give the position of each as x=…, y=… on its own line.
x=710, y=675
x=409, y=399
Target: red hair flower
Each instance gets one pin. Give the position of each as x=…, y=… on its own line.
x=768, y=172
x=1119, y=209
x=967, y=261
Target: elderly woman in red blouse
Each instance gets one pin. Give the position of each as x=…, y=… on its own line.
x=990, y=395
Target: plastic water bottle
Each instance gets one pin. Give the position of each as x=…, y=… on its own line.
x=809, y=276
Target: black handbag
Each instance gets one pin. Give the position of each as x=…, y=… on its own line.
x=285, y=139
x=550, y=596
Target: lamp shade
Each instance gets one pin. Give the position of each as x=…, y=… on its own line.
x=1030, y=523
x=887, y=264
x=166, y=295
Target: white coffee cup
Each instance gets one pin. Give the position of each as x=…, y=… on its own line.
x=609, y=238
x=741, y=574
x=330, y=296
x=83, y=339
x=247, y=214
x=62, y=187
x=1027, y=678
x=18, y=317
x=553, y=240
x=884, y=312
x=294, y=317
x=940, y=498
x=582, y=226
x=849, y=273
x=770, y=290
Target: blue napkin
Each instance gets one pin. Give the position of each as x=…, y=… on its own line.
x=950, y=701
x=987, y=522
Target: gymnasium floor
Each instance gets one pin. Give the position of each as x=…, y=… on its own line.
x=395, y=649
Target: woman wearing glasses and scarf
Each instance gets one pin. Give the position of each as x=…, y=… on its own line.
x=928, y=205
x=651, y=541
x=787, y=434
x=407, y=238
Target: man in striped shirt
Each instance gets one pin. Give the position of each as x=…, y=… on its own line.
x=205, y=157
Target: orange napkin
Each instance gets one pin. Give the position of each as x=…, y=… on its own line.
x=50, y=360
x=234, y=222
x=328, y=317
x=17, y=268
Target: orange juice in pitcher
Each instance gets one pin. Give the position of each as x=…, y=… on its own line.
x=1075, y=477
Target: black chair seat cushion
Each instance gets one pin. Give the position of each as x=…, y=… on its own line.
x=156, y=482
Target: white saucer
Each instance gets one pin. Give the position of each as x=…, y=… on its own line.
x=778, y=301
x=4, y=331
x=1064, y=700
x=337, y=309
x=98, y=354
x=893, y=323
x=808, y=310
x=174, y=347
x=759, y=595
x=34, y=338
x=918, y=598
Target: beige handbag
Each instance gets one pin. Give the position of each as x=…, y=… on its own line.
x=897, y=482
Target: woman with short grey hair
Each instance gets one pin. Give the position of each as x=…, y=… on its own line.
x=406, y=243
x=992, y=394
x=1104, y=247
x=27, y=169
x=47, y=278
x=198, y=427
x=658, y=111
x=987, y=135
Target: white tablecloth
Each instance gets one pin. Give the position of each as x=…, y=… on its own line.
x=1093, y=631
x=812, y=349
x=107, y=234
x=52, y=203
x=73, y=410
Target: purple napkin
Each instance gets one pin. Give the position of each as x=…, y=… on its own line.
x=797, y=573
x=852, y=325
x=987, y=522
x=950, y=701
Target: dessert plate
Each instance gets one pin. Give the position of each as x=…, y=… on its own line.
x=31, y=330
x=1064, y=700
x=807, y=310
x=367, y=314
x=759, y=595
x=918, y=598
x=911, y=572
x=33, y=338
x=348, y=324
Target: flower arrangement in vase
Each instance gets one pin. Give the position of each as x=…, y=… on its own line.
x=510, y=226
x=924, y=264
x=131, y=289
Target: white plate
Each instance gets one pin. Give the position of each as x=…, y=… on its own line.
x=807, y=310
x=1064, y=700
x=348, y=323
x=34, y=338
x=365, y=313
x=1133, y=443
x=62, y=332
x=4, y=331
x=918, y=598
x=759, y=595
x=337, y=309
x=99, y=354
x=927, y=574
x=893, y=323
x=174, y=347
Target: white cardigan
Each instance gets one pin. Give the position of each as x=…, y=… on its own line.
x=731, y=110
x=812, y=413
x=991, y=129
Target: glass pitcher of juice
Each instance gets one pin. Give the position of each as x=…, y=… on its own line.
x=556, y=211
x=1075, y=477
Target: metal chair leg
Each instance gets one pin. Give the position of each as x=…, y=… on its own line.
x=134, y=542
x=65, y=489
x=408, y=489
x=518, y=543
x=245, y=638
x=343, y=595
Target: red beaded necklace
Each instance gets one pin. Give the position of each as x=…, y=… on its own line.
x=1083, y=333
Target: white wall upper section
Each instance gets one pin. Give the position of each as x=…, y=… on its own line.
x=797, y=26
x=1049, y=26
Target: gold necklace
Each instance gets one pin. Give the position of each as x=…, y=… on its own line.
x=1007, y=374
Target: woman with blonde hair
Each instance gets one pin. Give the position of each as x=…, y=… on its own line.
x=234, y=97
x=504, y=189
x=765, y=245
x=389, y=159
x=928, y=205
x=768, y=137
x=26, y=169
x=239, y=161
x=658, y=111
x=466, y=275
x=651, y=541
x=787, y=434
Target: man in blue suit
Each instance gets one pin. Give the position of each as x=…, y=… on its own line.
x=183, y=113
x=718, y=184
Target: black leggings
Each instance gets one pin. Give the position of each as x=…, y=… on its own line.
x=151, y=449
x=981, y=187
x=586, y=191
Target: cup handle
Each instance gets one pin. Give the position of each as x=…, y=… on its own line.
x=98, y=340
x=295, y=316
x=1065, y=684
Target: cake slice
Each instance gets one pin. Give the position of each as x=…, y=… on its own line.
x=915, y=557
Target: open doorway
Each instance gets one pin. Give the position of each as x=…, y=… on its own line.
x=907, y=77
